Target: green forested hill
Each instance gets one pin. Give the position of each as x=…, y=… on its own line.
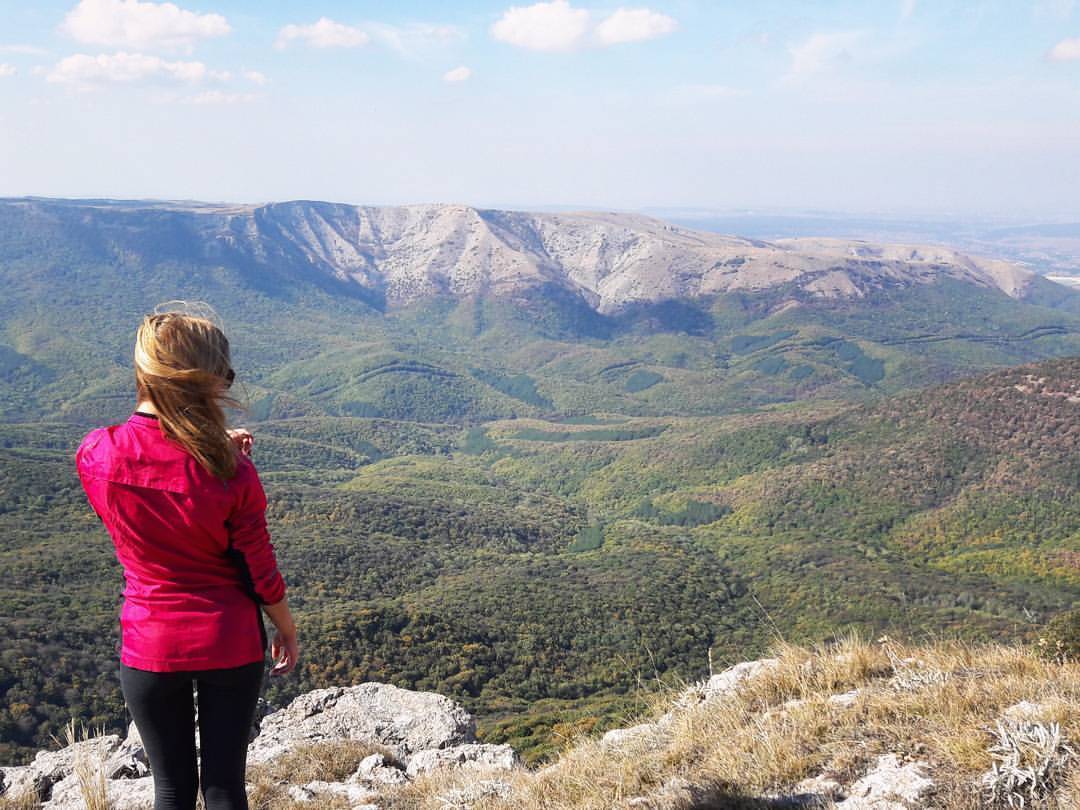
x=532, y=506
x=537, y=569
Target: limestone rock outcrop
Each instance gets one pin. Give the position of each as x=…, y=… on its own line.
x=403, y=721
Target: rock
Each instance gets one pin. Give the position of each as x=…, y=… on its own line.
x=1025, y=711
x=262, y=709
x=17, y=780
x=49, y=767
x=463, y=798
x=644, y=733
x=726, y=682
x=845, y=700
x=374, y=770
x=123, y=794
x=404, y=721
x=818, y=791
x=888, y=786
x=7, y=774
x=315, y=791
x=301, y=794
x=465, y=757
x=129, y=760
x=675, y=793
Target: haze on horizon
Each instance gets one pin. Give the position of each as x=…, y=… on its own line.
x=904, y=106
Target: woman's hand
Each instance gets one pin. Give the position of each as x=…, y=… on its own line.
x=243, y=439
x=285, y=651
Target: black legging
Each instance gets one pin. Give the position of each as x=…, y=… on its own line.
x=163, y=709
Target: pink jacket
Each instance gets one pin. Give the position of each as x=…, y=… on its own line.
x=195, y=550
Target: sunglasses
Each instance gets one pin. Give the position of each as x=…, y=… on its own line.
x=230, y=375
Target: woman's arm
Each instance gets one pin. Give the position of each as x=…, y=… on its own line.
x=284, y=649
x=251, y=550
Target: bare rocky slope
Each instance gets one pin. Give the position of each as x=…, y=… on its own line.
x=611, y=260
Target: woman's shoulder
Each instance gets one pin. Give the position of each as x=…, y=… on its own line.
x=92, y=445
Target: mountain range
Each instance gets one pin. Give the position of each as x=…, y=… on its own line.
x=449, y=312
x=397, y=255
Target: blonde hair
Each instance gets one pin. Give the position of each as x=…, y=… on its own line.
x=182, y=367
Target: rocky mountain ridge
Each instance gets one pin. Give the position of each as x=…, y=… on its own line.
x=400, y=254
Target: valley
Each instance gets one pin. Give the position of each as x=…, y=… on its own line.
x=533, y=482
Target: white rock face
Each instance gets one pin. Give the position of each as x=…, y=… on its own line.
x=611, y=260
x=464, y=757
x=404, y=721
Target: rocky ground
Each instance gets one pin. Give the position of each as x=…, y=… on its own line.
x=859, y=727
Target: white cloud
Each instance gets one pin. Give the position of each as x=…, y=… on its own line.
x=634, y=25
x=414, y=38
x=220, y=97
x=1066, y=50
x=708, y=92
x=254, y=76
x=1054, y=9
x=552, y=26
x=558, y=26
x=135, y=24
x=458, y=74
x=82, y=69
x=29, y=50
x=7, y=71
x=820, y=53
x=323, y=33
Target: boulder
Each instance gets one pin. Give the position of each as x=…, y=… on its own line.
x=374, y=770
x=378, y=713
x=726, y=682
x=464, y=757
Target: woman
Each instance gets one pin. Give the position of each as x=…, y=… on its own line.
x=186, y=513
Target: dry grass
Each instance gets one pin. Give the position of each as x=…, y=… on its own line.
x=25, y=801
x=89, y=770
x=937, y=703
x=327, y=761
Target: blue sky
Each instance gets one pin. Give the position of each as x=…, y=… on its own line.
x=891, y=106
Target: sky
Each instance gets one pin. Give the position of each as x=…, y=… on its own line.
x=883, y=106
